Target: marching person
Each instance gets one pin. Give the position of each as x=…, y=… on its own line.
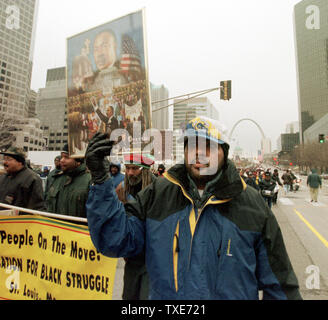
x=314, y=182
x=50, y=178
x=206, y=235
x=287, y=179
x=69, y=191
x=251, y=181
x=267, y=186
x=115, y=173
x=275, y=177
x=20, y=186
x=137, y=177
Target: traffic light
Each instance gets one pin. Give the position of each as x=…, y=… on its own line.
x=321, y=138
x=226, y=87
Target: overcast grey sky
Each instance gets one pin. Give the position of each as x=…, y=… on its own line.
x=193, y=45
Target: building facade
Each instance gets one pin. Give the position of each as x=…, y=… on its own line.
x=17, y=35
x=29, y=135
x=311, y=38
x=183, y=112
x=311, y=134
x=287, y=141
x=160, y=118
x=51, y=109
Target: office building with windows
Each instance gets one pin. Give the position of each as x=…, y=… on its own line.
x=51, y=109
x=160, y=118
x=183, y=112
x=311, y=42
x=17, y=35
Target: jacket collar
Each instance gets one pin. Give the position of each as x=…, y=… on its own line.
x=74, y=173
x=224, y=186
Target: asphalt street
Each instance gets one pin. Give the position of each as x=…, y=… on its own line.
x=304, y=225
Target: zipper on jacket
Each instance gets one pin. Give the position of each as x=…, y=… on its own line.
x=176, y=250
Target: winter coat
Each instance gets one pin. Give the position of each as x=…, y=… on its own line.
x=251, y=182
x=50, y=180
x=22, y=189
x=276, y=179
x=225, y=245
x=287, y=178
x=267, y=185
x=119, y=177
x=69, y=192
x=314, y=180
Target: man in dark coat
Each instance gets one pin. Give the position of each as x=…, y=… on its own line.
x=267, y=186
x=314, y=182
x=109, y=120
x=275, y=177
x=250, y=180
x=20, y=186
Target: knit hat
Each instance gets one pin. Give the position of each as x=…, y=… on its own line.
x=138, y=159
x=76, y=158
x=210, y=129
x=207, y=128
x=16, y=153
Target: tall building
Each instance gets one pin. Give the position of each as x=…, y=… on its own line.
x=266, y=145
x=287, y=141
x=32, y=104
x=293, y=127
x=17, y=35
x=160, y=119
x=183, y=112
x=51, y=109
x=311, y=37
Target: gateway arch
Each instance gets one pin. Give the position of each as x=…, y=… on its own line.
x=264, y=141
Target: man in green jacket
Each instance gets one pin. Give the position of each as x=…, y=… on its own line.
x=69, y=191
x=50, y=178
x=314, y=182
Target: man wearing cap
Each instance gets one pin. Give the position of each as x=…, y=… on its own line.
x=68, y=192
x=137, y=177
x=20, y=186
x=206, y=235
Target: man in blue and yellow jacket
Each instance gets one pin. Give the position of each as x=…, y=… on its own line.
x=206, y=235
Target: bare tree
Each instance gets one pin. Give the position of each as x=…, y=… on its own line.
x=311, y=155
x=8, y=126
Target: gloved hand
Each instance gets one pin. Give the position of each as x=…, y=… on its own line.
x=99, y=147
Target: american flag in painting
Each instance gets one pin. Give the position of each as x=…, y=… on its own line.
x=130, y=61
